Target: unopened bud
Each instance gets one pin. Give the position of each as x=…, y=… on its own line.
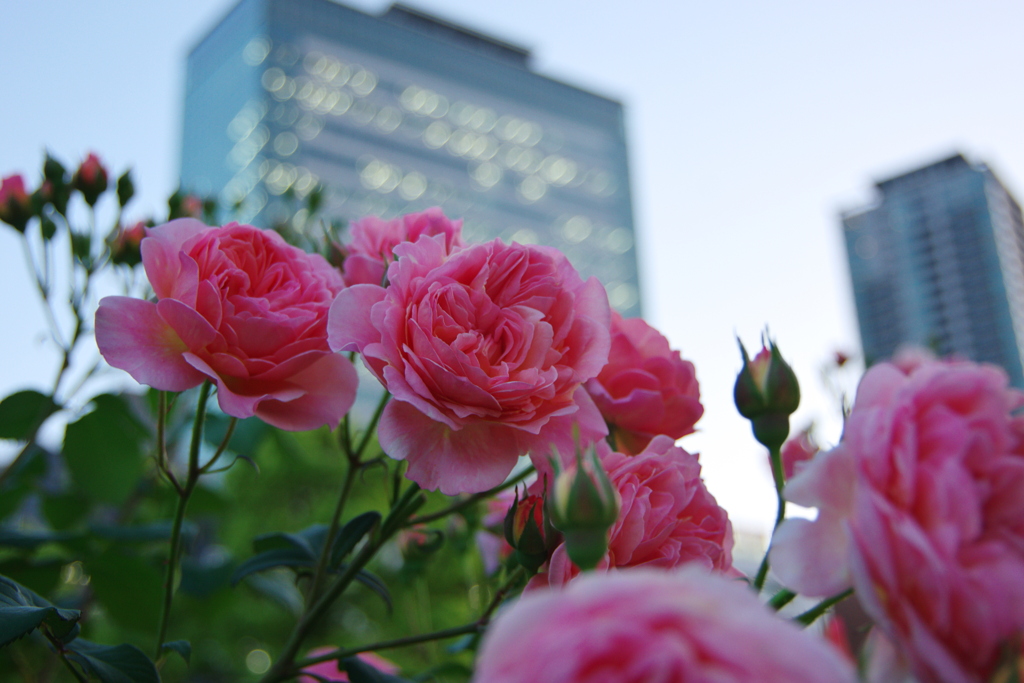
x=583, y=506
x=15, y=203
x=767, y=393
x=528, y=532
x=90, y=179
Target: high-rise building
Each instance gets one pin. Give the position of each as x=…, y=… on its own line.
x=399, y=112
x=938, y=261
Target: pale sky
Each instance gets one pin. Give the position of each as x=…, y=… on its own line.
x=750, y=125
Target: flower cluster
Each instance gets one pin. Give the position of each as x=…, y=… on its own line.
x=490, y=352
x=920, y=509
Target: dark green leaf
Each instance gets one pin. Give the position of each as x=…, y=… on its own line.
x=10, y=499
x=309, y=540
x=182, y=647
x=278, y=557
x=21, y=414
x=202, y=577
x=376, y=585
x=102, y=450
x=22, y=611
x=361, y=672
x=113, y=663
x=351, y=534
x=130, y=588
x=65, y=510
x=448, y=670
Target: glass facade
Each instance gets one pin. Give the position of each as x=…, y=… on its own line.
x=399, y=112
x=939, y=262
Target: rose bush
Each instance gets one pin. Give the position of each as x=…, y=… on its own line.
x=667, y=516
x=645, y=626
x=373, y=242
x=920, y=510
x=240, y=307
x=646, y=388
x=484, y=351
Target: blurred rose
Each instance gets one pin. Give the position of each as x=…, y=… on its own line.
x=238, y=306
x=374, y=241
x=329, y=670
x=15, y=204
x=90, y=179
x=646, y=388
x=484, y=351
x=645, y=626
x=799, y=449
x=126, y=247
x=667, y=518
x=921, y=509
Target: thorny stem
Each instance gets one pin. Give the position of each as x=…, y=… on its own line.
x=780, y=484
x=179, y=516
x=473, y=627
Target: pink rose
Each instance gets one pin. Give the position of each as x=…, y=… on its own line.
x=797, y=450
x=646, y=388
x=238, y=306
x=374, y=241
x=329, y=670
x=921, y=509
x=647, y=626
x=667, y=517
x=484, y=350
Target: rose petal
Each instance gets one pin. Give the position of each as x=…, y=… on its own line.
x=132, y=336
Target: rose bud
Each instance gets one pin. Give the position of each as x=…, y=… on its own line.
x=90, y=179
x=527, y=530
x=124, y=248
x=15, y=204
x=767, y=393
x=56, y=189
x=583, y=506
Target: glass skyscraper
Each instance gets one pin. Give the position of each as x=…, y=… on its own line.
x=939, y=262
x=399, y=112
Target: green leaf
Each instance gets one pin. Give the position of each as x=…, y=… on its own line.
x=376, y=585
x=205, y=575
x=351, y=534
x=129, y=588
x=113, y=663
x=270, y=559
x=102, y=450
x=22, y=611
x=64, y=510
x=361, y=672
x=37, y=574
x=21, y=414
x=182, y=647
x=309, y=540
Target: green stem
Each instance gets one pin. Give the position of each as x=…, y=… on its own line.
x=325, y=552
x=370, y=427
x=807, y=618
x=222, y=447
x=280, y=670
x=179, y=515
x=470, y=500
x=472, y=627
x=780, y=483
x=781, y=599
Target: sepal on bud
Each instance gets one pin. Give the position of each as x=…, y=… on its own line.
x=767, y=393
x=583, y=506
x=529, y=532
